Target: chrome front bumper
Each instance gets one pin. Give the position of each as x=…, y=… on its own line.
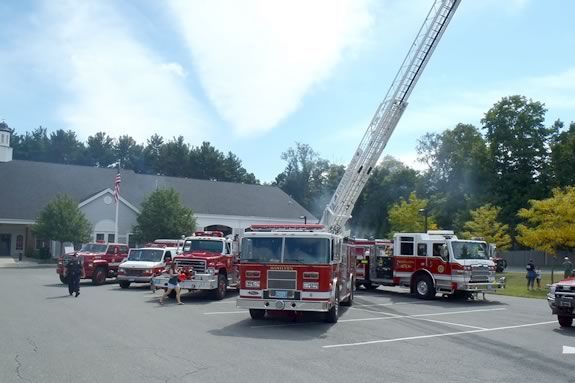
x=139, y=279
x=480, y=287
x=282, y=305
x=198, y=282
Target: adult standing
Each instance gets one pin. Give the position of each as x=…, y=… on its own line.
x=74, y=272
x=531, y=274
x=567, y=267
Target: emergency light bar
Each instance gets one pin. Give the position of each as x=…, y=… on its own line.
x=288, y=227
x=208, y=234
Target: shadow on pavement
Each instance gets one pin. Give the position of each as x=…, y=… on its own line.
x=287, y=326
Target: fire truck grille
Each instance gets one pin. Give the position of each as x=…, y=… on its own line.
x=199, y=265
x=480, y=273
x=134, y=272
x=282, y=279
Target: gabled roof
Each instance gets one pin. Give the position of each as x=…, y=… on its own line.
x=27, y=186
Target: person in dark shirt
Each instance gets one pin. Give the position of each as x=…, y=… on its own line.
x=567, y=268
x=531, y=275
x=74, y=272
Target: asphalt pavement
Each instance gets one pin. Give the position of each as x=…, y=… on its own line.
x=108, y=334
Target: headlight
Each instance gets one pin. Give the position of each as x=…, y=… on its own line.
x=211, y=270
x=552, y=289
x=311, y=285
x=253, y=284
x=121, y=271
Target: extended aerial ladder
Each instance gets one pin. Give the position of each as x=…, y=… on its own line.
x=338, y=211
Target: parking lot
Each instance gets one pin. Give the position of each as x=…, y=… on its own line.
x=109, y=334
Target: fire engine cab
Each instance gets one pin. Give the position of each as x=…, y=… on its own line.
x=208, y=261
x=299, y=267
x=427, y=263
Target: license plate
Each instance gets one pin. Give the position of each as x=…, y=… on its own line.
x=281, y=294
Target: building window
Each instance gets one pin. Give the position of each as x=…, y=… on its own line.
x=111, y=238
x=100, y=237
x=20, y=242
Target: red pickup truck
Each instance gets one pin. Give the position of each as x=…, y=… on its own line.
x=100, y=260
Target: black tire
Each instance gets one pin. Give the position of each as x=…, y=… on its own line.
x=357, y=285
x=63, y=279
x=257, y=314
x=99, y=277
x=349, y=300
x=220, y=292
x=124, y=284
x=424, y=287
x=333, y=314
x=565, y=321
x=369, y=286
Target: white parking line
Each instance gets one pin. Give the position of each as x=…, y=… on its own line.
x=226, y=312
x=449, y=323
x=436, y=335
x=388, y=304
x=419, y=315
x=390, y=316
x=568, y=350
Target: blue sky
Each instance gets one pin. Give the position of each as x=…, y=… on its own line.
x=254, y=77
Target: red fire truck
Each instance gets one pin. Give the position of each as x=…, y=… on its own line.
x=101, y=261
x=274, y=276
x=297, y=267
x=428, y=263
x=210, y=263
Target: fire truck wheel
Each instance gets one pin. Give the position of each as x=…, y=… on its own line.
x=220, y=293
x=124, y=284
x=63, y=279
x=99, y=277
x=424, y=287
x=257, y=314
x=565, y=321
x=333, y=314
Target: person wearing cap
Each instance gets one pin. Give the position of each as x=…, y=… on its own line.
x=567, y=267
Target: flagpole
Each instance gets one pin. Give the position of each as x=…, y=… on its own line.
x=117, y=209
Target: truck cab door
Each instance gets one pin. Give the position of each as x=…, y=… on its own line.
x=439, y=265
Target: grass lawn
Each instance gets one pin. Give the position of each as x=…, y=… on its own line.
x=517, y=285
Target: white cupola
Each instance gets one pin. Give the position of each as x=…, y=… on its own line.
x=5, y=149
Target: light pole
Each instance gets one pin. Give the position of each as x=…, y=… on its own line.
x=304, y=217
x=424, y=212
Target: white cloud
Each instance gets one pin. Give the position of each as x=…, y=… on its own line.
x=113, y=82
x=257, y=59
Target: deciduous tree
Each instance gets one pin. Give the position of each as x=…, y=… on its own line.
x=61, y=220
x=549, y=223
x=163, y=216
x=484, y=224
x=406, y=216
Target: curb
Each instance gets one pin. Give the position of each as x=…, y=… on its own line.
x=19, y=266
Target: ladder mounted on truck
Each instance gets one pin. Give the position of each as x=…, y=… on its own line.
x=338, y=211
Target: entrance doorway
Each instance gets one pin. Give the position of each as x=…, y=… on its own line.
x=5, y=244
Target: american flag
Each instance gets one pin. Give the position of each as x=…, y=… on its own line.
x=117, y=181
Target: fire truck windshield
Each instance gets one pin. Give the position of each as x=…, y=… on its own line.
x=145, y=255
x=296, y=250
x=94, y=248
x=469, y=250
x=203, y=245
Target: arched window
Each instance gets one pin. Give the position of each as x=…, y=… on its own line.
x=20, y=242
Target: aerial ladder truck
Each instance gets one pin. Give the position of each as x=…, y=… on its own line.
x=308, y=267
